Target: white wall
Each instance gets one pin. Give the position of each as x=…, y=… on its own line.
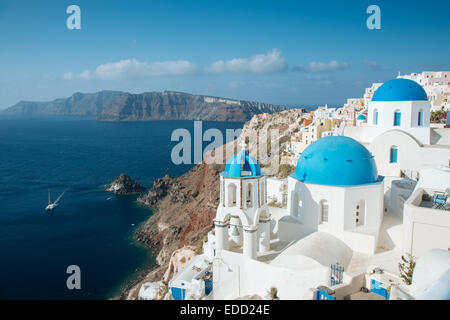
x=250, y=277
x=274, y=189
x=409, y=119
x=401, y=190
x=411, y=156
x=424, y=228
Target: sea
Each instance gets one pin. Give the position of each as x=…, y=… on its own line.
x=91, y=229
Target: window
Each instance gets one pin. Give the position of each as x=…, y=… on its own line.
x=397, y=118
x=249, y=196
x=231, y=195
x=419, y=118
x=393, y=155
x=323, y=214
x=360, y=213
x=375, y=117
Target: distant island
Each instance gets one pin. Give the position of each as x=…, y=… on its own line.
x=166, y=105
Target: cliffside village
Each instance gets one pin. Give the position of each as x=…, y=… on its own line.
x=364, y=215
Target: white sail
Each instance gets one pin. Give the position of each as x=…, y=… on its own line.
x=53, y=205
x=59, y=198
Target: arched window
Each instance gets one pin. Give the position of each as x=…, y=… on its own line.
x=323, y=211
x=393, y=157
x=375, y=117
x=420, y=118
x=397, y=118
x=360, y=215
x=249, y=196
x=231, y=194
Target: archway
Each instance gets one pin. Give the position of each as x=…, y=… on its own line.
x=231, y=194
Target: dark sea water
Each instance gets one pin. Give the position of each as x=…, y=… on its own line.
x=86, y=229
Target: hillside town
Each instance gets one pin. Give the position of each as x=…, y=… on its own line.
x=362, y=214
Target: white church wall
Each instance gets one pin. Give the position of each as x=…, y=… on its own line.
x=410, y=155
x=409, y=119
x=304, y=204
x=342, y=202
x=372, y=211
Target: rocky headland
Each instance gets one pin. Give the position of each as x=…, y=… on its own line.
x=124, y=185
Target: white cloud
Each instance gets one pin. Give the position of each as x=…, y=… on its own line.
x=131, y=69
x=315, y=66
x=270, y=62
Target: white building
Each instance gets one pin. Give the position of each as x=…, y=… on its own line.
x=398, y=126
x=436, y=85
x=189, y=283
x=426, y=225
x=325, y=113
x=368, y=93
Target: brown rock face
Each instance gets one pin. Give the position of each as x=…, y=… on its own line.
x=184, y=210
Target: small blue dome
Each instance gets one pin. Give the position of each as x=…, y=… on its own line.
x=241, y=166
x=400, y=90
x=361, y=117
x=336, y=161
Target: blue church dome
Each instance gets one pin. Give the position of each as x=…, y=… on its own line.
x=241, y=166
x=336, y=161
x=361, y=117
x=400, y=90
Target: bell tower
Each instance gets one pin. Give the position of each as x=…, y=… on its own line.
x=242, y=218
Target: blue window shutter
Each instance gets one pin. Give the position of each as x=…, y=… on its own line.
x=397, y=118
x=376, y=117
x=394, y=154
x=419, y=122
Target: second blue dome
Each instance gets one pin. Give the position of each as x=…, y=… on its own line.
x=400, y=90
x=336, y=161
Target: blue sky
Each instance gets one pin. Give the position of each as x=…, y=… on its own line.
x=282, y=52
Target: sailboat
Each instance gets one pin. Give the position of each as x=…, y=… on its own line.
x=52, y=205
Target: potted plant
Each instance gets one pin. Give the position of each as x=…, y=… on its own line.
x=273, y=293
